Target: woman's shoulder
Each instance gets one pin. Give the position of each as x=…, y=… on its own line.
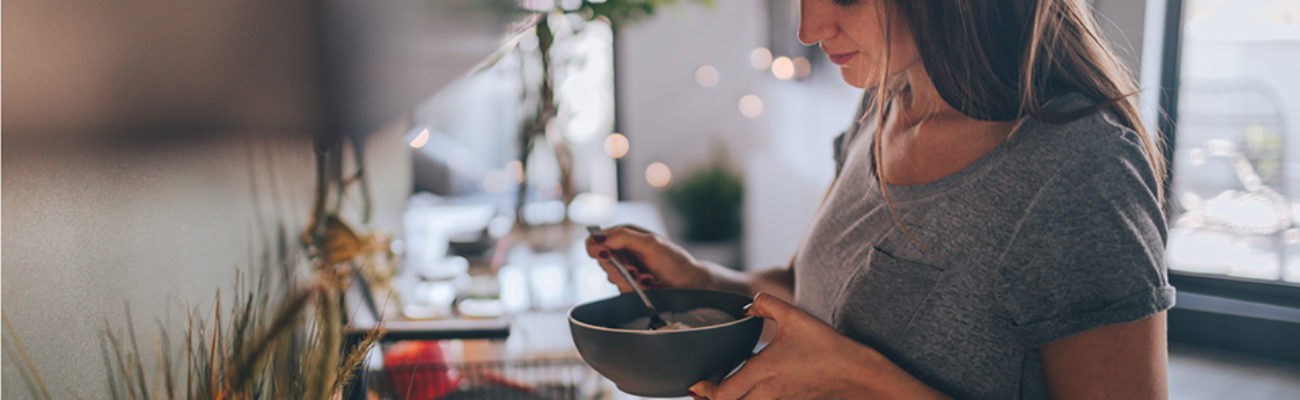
x=1089, y=145
x=1093, y=129
x=1093, y=156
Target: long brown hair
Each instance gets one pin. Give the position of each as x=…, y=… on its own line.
x=1004, y=60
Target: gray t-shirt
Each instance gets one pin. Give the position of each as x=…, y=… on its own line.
x=1056, y=231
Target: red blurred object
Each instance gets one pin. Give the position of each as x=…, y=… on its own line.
x=419, y=371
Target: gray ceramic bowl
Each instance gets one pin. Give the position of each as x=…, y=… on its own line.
x=663, y=363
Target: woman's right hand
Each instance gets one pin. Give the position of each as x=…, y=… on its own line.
x=651, y=260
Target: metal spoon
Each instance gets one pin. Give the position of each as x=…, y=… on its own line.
x=655, y=321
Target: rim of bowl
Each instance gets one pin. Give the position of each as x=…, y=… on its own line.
x=647, y=331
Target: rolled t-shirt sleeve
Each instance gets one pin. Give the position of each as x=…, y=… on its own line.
x=1089, y=251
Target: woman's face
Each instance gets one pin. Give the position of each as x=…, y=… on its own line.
x=852, y=34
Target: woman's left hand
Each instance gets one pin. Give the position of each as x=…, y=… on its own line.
x=808, y=359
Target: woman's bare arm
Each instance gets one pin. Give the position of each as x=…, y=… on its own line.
x=1121, y=361
x=777, y=281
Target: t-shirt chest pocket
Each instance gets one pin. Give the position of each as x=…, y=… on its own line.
x=882, y=297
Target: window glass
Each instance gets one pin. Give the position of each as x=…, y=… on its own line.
x=1236, y=183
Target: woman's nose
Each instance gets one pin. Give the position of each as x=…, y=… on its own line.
x=815, y=22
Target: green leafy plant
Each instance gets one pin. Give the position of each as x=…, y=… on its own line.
x=709, y=201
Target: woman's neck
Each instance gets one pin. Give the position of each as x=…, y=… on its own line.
x=925, y=139
x=919, y=100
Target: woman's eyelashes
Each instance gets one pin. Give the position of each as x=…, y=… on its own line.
x=845, y=3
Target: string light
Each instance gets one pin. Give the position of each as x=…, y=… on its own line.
x=616, y=145
x=706, y=76
x=751, y=106
x=658, y=175
x=783, y=68
x=760, y=58
x=421, y=139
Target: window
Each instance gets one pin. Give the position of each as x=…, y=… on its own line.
x=1236, y=149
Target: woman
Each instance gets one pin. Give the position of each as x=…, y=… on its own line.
x=1015, y=249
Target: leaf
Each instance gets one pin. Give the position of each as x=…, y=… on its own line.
x=165, y=350
x=37, y=389
x=141, y=379
x=285, y=319
x=355, y=357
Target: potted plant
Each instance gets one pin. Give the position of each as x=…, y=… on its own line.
x=709, y=201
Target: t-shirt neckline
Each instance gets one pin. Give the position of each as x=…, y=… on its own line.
x=900, y=193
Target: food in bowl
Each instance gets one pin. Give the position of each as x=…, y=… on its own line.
x=693, y=318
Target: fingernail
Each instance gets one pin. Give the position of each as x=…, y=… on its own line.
x=603, y=255
x=598, y=238
x=746, y=308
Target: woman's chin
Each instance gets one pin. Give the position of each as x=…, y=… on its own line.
x=855, y=79
x=857, y=83
x=861, y=78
